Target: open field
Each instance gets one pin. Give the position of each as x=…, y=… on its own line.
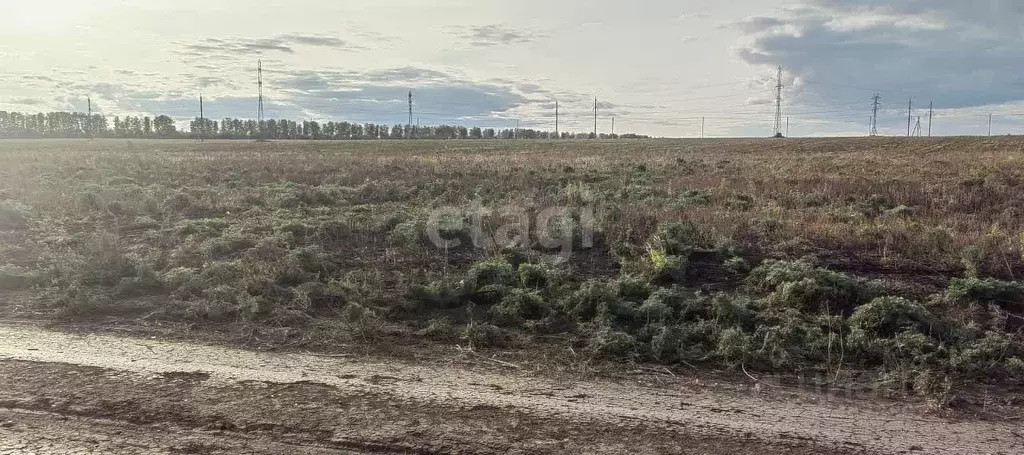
x=881, y=261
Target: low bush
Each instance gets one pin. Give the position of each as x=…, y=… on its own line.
x=887, y=316
x=534, y=276
x=611, y=343
x=1008, y=295
x=495, y=272
x=519, y=306
x=441, y=295
x=677, y=238
x=800, y=285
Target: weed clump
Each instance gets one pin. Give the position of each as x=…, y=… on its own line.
x=442, y=294
x=534, y=276
x=887, y=316
x=612, y=344
x=493, y=273
x=802, y=286
x=519, y=306
x=1008, y=295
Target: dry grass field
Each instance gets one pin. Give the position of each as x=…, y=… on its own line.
x=837, y=257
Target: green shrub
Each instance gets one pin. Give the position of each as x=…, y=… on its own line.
x=590, y=300
x=691, y=198
x=800, y=285
x=733, y=346
x=671, y=299
x=313, y=259
x=737, y=265
x=677, y=238
x=666, y=268
x=986, y=357
x=734, y=311
x=1008, y=295
x=654, y=310
x=515, y=256
x=519, y=306
x=409, y=233
x=887, y=316
x=145, y=282
x=697, y=340
x=495, y=272
x=632, y=288
x=533, y=276
x=613, y=344
x=665, y=341
x=437, y=295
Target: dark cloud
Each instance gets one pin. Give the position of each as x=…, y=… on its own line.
x=494, y=35
x=26, y=101
x=258, y=46
x=961, y=54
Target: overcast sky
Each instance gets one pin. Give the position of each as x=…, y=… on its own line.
x=657, y=66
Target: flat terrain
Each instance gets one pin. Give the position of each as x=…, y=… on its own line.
x=718, y=296
x=97, y=394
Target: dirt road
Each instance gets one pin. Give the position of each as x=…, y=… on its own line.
x=64, y=393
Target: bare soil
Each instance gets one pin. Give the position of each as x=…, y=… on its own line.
x=69, y=393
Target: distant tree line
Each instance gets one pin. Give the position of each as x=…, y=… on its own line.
x=76, y=124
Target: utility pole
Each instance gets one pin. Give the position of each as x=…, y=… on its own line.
x=259, y=111
x=613, y=126
x=876, y=100
x=88, y=120
x=516, y=135
x=557, y=136
x=202, y=118
x=702, y=127
x=778, y=105
x=408, y=134
x=990, y=125
x=787, y=126
x=910, y=115
x=595, y=117
x=917, y=128
x=931, y=111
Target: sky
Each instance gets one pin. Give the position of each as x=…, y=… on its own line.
x=656, y=66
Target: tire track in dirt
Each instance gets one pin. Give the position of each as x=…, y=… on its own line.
x=440, y=408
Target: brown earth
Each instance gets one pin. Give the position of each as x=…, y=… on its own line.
x=66, y=393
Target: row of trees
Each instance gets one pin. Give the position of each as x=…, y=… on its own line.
x=76, y=124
